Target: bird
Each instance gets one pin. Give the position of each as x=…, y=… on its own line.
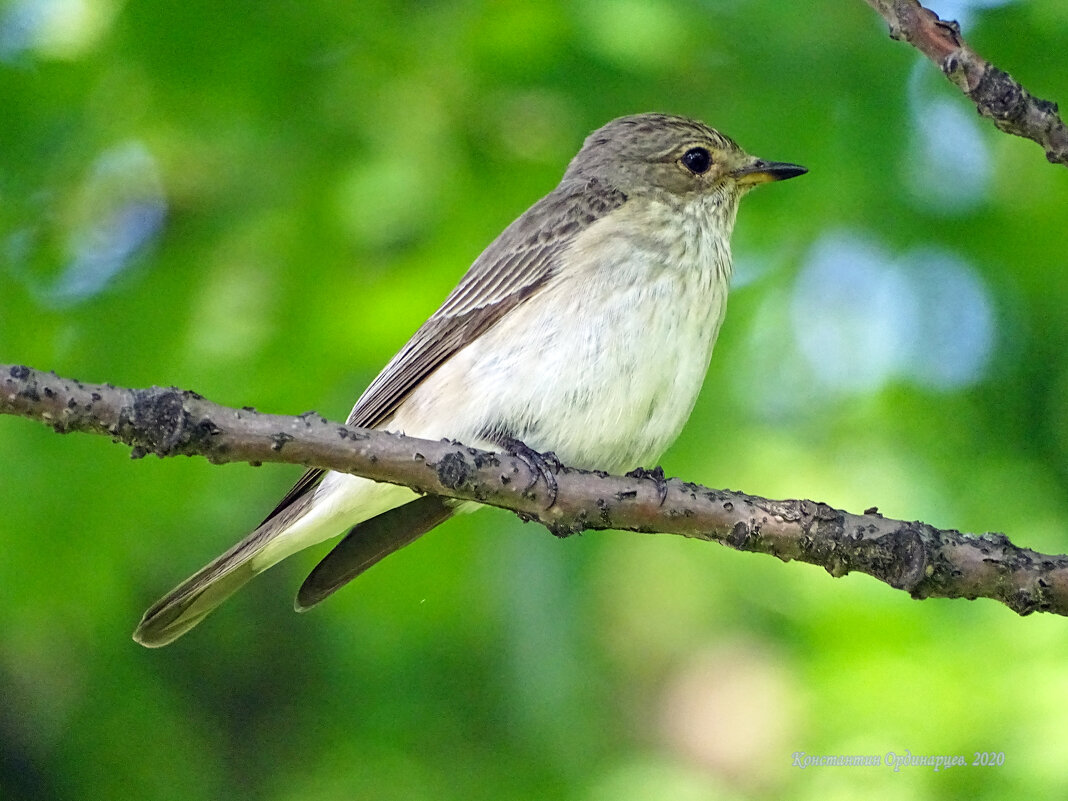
x=585, y=329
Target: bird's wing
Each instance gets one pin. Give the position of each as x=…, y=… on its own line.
x=511, y=270
x=369, y=542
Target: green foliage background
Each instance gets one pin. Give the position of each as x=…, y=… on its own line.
x=260, y=201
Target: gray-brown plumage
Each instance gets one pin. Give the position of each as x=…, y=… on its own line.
x=585, y=328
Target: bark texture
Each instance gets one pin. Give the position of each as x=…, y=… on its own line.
x=912, y=556
x=996, y=94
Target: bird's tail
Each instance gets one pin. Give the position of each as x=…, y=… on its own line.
x=191, y=601
x=306, y=520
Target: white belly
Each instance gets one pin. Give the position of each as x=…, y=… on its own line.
x=601, y=366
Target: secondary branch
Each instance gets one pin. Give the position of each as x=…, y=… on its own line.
x=996, y=94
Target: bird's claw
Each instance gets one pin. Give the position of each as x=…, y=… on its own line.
x=657, y=476
x=545, y=465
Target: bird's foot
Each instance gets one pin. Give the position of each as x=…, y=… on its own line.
x=657, y=476
x=544, y=465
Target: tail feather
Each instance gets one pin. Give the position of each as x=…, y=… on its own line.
x=176, y=613
x=307, y=520
x=191, y=601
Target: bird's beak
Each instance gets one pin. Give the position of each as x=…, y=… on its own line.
x=759, y=171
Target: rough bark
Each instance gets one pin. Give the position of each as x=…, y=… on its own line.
x=996, y=94
x=924, y=561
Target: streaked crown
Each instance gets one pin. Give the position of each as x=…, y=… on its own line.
x=651, y=153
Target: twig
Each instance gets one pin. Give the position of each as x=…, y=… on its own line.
x=924, y=561
x=996, y=94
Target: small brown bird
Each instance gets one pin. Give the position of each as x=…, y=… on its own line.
x=584, y=329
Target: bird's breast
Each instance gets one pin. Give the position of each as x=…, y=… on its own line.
x=604, y=363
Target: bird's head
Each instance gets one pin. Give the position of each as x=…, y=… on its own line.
x=662, y=153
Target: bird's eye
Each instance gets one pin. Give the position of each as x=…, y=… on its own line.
x=697, y=160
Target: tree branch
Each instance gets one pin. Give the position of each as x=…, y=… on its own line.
x=996, y=94
x=924, y=561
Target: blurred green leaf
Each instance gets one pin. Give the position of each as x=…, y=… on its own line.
x=261, y=201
